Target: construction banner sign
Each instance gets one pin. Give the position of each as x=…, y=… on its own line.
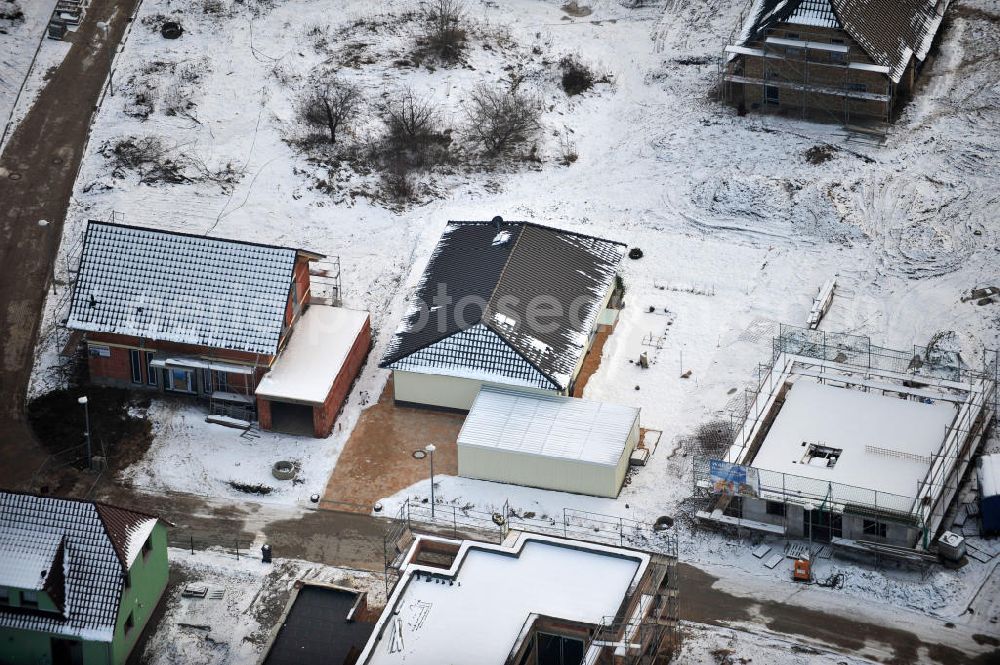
x=733, y=479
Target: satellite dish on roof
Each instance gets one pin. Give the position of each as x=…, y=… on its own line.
x=497, y=221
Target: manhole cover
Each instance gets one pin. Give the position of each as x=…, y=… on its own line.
x=171, y=30
x=663, y=523
x=57, y=160
x=14, y=176
x=419, y=454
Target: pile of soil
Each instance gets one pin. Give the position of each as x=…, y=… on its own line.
x=57, y=419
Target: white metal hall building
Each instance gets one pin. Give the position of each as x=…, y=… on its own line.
x=548, y=441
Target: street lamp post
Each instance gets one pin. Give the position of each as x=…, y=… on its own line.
x=430, y=448
x=86, y=432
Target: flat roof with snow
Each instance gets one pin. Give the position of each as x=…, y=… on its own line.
x=496, y=590
x=880, y=443
x=510, y=420
x=307, y=367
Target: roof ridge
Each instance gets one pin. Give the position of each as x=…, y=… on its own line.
x=503, y=271
x=184, y=234
x=539, y=226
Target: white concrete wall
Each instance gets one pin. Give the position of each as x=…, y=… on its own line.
x=444, y=391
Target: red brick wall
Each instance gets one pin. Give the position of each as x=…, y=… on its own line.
x=117, y=368
x=263, y=413
x=324, y=417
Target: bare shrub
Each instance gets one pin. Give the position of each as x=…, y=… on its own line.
x=577, y=77
x=446, y=33
x=329, y=103
x=411, y=121
x=154, y=162
x=501, y=116
x=146, y=156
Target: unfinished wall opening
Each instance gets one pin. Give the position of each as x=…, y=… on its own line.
x=819, y=455
x=292, y=418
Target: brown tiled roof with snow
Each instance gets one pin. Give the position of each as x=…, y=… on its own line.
x=890, y=32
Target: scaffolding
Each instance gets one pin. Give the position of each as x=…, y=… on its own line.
x=828, y=82
x=852, y=361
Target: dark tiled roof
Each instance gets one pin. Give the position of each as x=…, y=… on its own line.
x=888, y=31
x=181, y=288
x=91, y=574
x=492, y=272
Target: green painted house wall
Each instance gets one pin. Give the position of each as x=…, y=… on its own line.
x=148, y=577
x=148, y=580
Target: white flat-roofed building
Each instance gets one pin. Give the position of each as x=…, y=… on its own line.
x=548, y=441
x=880, y=443
x=496, y=604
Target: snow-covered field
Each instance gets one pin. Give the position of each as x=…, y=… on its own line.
x=236, y=627
x=738, y=229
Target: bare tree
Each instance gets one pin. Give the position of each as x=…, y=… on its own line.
x=501, y=116
x=446, y=34
x=411, y=120
x=329, y=103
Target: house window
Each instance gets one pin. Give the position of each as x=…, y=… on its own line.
x=558, y=650
x=147, y=547
x=791, y=35
x=793, y=52
x=776, y=508
x=771, y=94
x=99, y=351
x=151, y=373
x=29, y=599
x=129, y=623
x=4, y=596
x=128, y=580
x=873, y=528
x=180, y=380
x=215, y=381
x=838, y=58
x=857, y=87
x=135, y=358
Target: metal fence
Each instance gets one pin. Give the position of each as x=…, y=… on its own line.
x=457, y=522
x=857, y=351
x=784, y=487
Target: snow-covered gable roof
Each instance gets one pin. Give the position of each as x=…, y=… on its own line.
x=95, y=542
x=890, y=32
x=492, y=274
x=181, y=288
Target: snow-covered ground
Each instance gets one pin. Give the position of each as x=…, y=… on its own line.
x=191, y=455
x=738, y=229
x=237, y=627
x=25, y=57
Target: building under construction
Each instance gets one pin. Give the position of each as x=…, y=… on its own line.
x=846, y=61
x=846, y=442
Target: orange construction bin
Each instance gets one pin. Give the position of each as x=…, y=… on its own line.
x=802, y=572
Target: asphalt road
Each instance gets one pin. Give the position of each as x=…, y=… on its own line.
x=37, y=172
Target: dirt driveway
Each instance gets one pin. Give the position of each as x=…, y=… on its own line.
x=37, y=171
x=378, y=458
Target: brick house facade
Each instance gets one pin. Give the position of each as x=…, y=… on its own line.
x=188, y=315
x=830, y=59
